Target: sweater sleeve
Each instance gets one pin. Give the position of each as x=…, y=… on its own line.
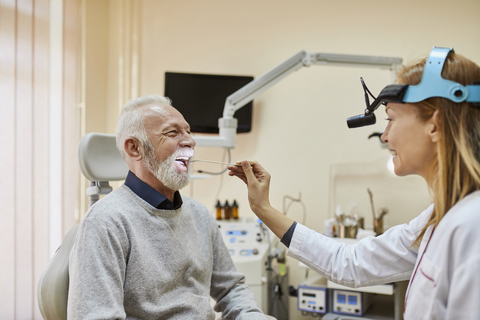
x=234, y=298
x=96, y=272
x=387, y=258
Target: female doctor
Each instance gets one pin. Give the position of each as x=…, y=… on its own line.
x=437, y=138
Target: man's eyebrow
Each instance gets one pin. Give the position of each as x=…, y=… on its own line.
x=175, y=125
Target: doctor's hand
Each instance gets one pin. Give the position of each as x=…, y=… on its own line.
x=258, y=184
x=257, y=180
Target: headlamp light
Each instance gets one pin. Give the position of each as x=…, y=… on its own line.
x=431, y=85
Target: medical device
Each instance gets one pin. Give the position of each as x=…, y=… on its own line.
x=312, y=299
x=247, y=243
x=350, y=302
x=217, y=162
x=315, y=298
x=431, y=85
x=312, y=296
x=254, y=249
x=228, y=124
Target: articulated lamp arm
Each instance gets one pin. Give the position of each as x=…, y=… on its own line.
x=228, y=124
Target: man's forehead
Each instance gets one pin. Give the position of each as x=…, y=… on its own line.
x=175, y=122
x=164, y=115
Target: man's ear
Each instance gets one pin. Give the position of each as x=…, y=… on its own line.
x=133, y=148
x=434, y=127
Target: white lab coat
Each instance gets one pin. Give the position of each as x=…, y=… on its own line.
x=446, y=284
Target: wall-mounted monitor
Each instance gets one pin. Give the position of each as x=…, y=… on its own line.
x=201, y=99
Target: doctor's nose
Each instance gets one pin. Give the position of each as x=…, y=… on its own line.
x=384, y=137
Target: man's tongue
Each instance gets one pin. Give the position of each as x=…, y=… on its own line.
x=181, y=161
x=180, y=165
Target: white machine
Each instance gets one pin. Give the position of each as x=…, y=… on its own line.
x=247, y=240
x=312, y=299
x=312, y=296
x=350, y=302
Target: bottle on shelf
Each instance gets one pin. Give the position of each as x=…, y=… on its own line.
x=227, y=210
x=235, y=209
x=219, y=208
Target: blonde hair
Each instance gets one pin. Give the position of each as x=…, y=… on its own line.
x=455, y=172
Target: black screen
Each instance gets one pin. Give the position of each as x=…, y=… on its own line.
x=201, y=99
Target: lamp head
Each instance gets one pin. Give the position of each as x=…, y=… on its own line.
x=361, y=120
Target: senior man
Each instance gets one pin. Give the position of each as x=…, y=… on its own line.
x=144, y=251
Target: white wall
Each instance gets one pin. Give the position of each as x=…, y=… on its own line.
x=299, y=131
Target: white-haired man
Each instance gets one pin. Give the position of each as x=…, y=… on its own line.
x=143, y=251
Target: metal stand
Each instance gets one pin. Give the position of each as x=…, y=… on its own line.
x=96, y=189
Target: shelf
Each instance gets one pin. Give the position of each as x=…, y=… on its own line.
x=386, y=289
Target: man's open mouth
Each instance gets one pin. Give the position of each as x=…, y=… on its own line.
x=183, y=160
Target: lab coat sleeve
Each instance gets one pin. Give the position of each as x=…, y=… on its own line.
x=234, y=298
x=387, y=258
x=97, y=272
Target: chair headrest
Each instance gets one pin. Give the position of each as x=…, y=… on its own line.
x=99, y=158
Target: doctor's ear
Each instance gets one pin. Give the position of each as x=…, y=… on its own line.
x=133, y=148
x=434, y=127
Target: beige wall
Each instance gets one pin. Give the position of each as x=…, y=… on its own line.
x=97, y=62
x=299, y=131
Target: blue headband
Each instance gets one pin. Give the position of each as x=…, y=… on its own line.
x=434, y=85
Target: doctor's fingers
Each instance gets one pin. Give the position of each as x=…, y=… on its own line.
x=244, y=173
x=251, y=172
x=261, y=175
x=239, y=175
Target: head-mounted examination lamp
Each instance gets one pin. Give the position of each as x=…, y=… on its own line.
x=431, y=85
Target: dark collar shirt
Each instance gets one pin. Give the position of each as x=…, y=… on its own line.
x=152, y=196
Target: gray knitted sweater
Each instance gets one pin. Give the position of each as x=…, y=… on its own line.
x=133, y=261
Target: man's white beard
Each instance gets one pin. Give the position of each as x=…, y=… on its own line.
x=165, y=171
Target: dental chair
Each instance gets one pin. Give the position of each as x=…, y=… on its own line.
x=100, y=162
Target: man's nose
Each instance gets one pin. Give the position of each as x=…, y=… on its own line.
x=188, y=141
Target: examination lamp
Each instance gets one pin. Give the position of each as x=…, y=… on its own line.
x=431, y=85
x=228, y=124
